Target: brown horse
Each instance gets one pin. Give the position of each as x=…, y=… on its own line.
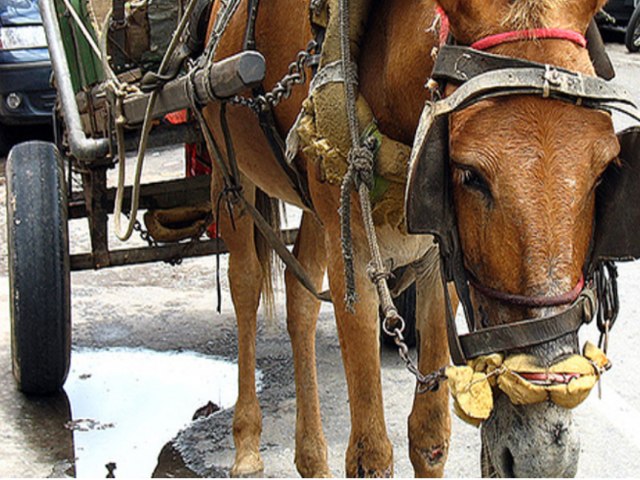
x=524, y=172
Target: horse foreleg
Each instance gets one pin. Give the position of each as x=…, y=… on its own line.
x=302, y=315
x=245, y=279
x=369, y=453
x=430, y=420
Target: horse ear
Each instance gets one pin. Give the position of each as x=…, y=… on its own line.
x=472, y=19
x=596, y=6
x=456, y=8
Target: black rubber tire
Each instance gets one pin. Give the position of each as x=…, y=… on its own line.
x=38, y=245
x=406, y=305
x=633, y=32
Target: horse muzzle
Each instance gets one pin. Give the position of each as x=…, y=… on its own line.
x=538, y=440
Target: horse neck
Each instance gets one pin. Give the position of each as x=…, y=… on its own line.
x=396, y=62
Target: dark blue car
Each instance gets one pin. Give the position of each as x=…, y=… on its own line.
x=26, y=94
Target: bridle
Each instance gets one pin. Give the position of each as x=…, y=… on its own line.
x=487, y=43
x=480, y=76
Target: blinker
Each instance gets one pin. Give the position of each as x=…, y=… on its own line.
x=617, y=216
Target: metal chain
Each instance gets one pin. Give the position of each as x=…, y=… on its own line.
x=605, y=279
x=153, y=243
x=144, y=234
x=296, y=75
x=426, y=383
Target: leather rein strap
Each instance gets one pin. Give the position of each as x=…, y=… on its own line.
x=481, y=76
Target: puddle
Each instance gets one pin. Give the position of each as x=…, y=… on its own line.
x=127, y=404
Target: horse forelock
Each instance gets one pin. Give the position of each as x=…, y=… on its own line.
x=529, y=14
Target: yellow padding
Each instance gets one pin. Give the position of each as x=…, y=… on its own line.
x=471, y=385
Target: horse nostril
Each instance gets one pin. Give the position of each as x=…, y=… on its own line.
x=507, y=463
x=559, y=433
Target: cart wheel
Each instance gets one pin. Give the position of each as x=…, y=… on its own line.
x=38, y=244
x=406, y=305
x=632, y=37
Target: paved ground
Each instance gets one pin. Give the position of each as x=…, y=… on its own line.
x=120, y=398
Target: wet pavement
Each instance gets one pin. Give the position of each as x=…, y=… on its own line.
x=139, y=391
x=150, y=350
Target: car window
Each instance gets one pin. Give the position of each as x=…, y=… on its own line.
x=18, y=7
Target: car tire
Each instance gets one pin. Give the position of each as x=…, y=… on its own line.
x=39, y=276
x=632, y=36
x=406, y=305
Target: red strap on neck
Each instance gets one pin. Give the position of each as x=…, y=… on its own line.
x=534, y=34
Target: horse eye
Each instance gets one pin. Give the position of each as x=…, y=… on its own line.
x=470, y=178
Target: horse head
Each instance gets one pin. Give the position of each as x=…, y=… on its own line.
x=525, y=170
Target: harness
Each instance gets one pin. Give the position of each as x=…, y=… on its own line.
x=429, y=209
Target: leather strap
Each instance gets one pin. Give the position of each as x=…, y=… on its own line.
x=512, y=336
x=598, y=54
x=455, y=347
x=289, y=259
x=532, y=34
x=528, y=300
x=548, y=81
x=267, y=120
x=277, y=144
x=457, y=64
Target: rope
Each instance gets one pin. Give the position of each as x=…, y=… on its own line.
x=360, y=175
x=360, y=160
x=144, y=137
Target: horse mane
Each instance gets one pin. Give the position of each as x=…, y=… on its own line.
x=529, y=14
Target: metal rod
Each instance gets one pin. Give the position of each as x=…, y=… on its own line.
x=134, y=256
x=82, y=148
x=223, y=79
x=161, y=195
x=83, y=29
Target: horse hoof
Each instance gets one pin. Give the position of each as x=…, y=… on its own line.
x=248, y=466
x=374, y=473
x=323, y=473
